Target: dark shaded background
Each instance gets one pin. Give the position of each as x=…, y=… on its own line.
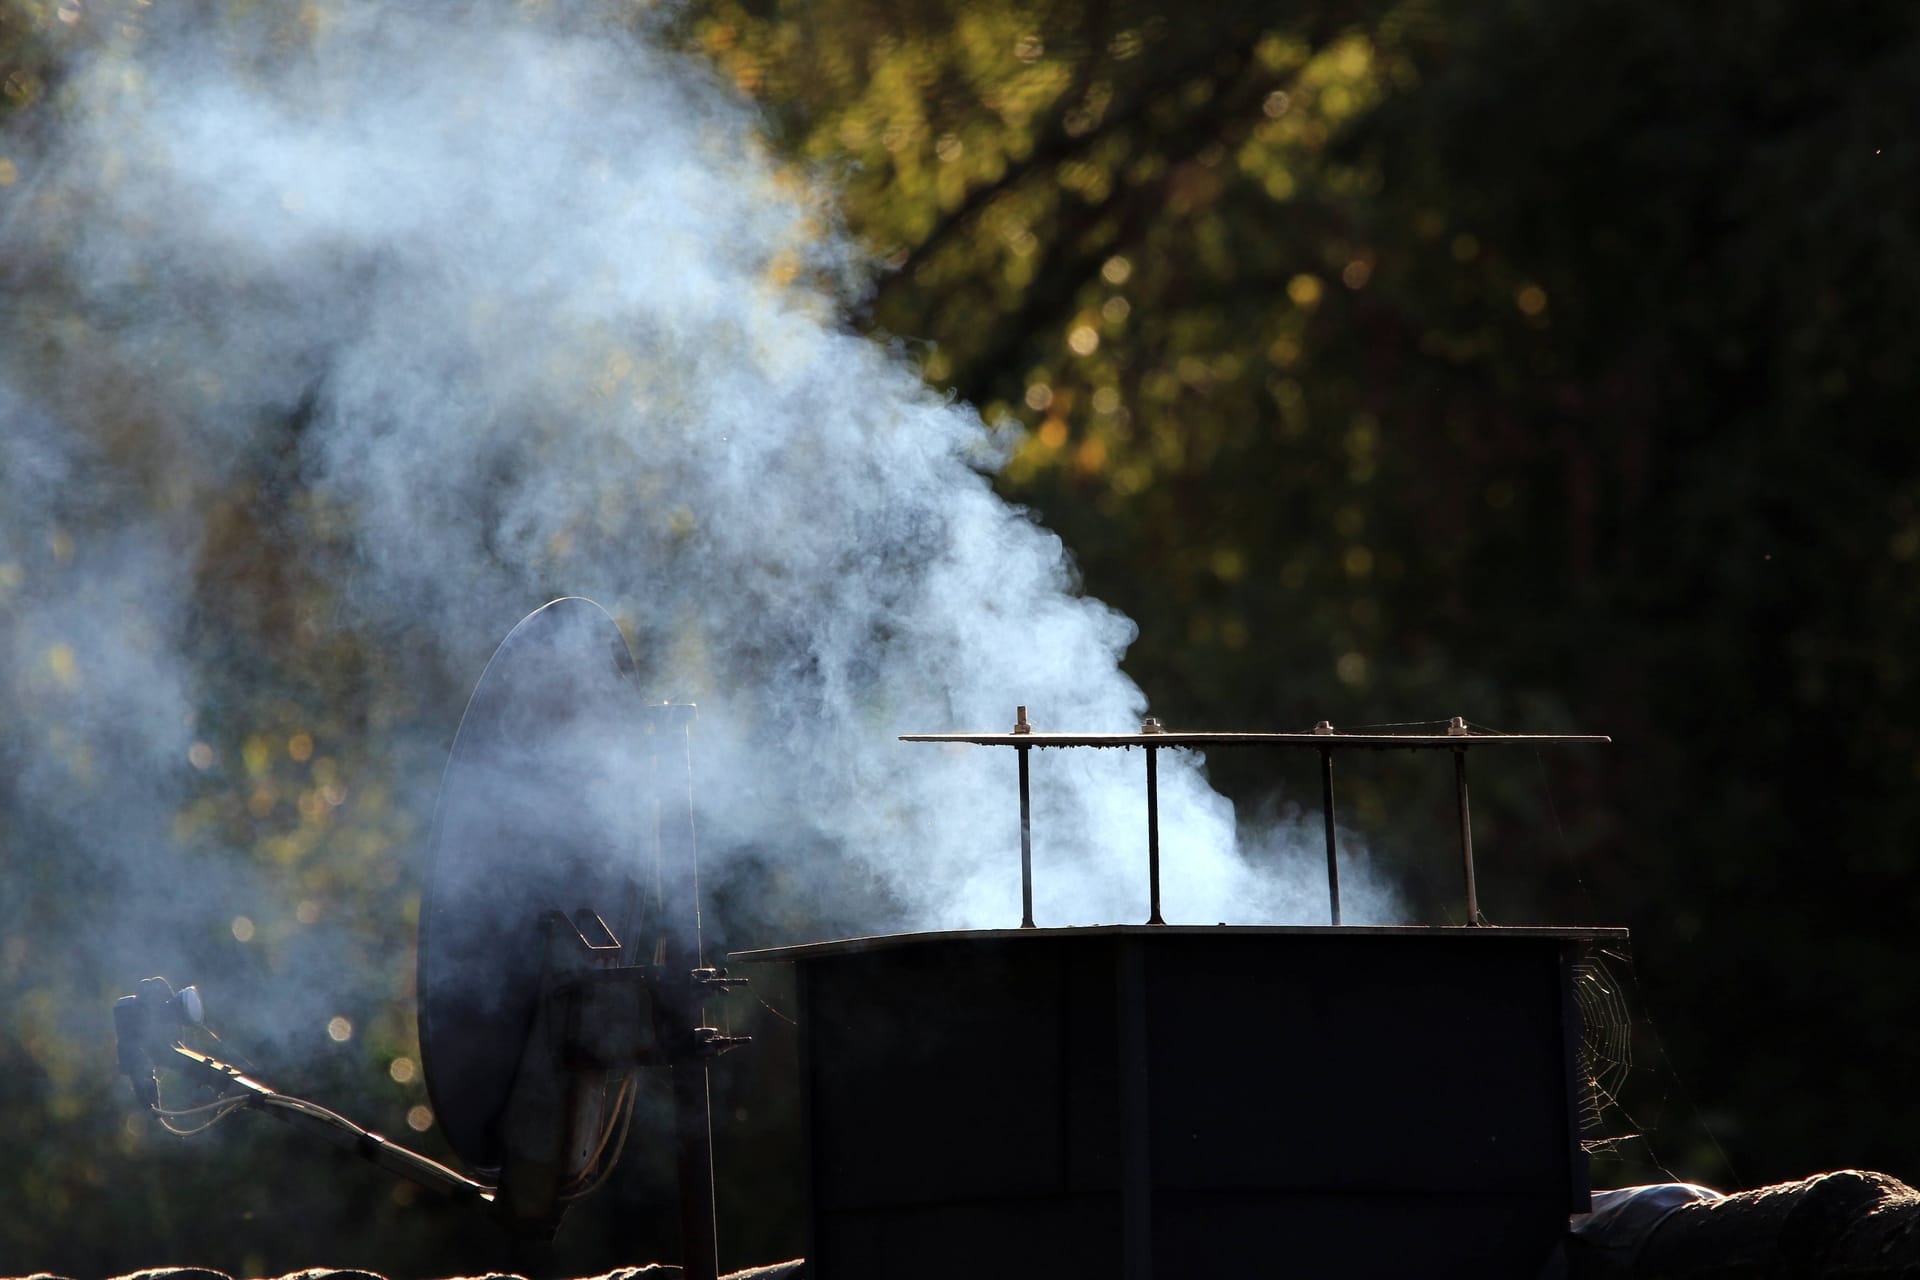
x=1548, y=364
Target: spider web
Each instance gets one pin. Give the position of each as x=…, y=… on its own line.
x=1615, y=1020
x=1606, y=1053
x=1614, y=1015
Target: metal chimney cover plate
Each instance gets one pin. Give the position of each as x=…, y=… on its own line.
x=540, y=808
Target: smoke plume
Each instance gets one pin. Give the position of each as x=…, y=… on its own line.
x=475, y=309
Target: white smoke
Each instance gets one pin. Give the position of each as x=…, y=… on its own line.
x=554, y=322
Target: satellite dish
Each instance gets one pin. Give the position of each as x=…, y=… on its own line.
x=540, y=811
x=559, y=946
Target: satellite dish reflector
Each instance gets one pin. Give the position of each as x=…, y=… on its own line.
x=559, y=946
x=538, y=824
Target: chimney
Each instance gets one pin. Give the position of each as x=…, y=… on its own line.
x=1179, y=1102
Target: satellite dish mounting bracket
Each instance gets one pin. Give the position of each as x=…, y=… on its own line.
x=594, y=1015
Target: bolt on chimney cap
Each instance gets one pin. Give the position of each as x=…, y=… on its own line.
x=1324, y=727
x=1020, y=724
x=1457, y=728
x=1151, y=725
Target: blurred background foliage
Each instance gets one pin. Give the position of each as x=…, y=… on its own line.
x=1546, y=363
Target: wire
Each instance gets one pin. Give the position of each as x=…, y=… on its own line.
x=227, y=1108
x=620, y=1100
x=216, y=1111
x=592, y=1180
x=775, y=1012
x=174, y=1113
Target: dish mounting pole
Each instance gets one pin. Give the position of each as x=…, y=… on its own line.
x=680, y=956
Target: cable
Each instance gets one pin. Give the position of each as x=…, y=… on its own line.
x=593, y=1181
x=620, y=1100
x=775, y=1012
x=228, y=1107
x=220, y=1108
x=174, y=1113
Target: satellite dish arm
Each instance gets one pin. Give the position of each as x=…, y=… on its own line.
x=145, y=1026
x=329, y=1126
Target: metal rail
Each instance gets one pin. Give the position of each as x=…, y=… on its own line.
x=1333, y=740
x=1459, y=738
x=329, y=1126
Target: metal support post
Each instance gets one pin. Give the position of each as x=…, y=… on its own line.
x=1026, y=826
x=1153, y=825
x=1333, y=862
x=1466, y=835
x=681, y=953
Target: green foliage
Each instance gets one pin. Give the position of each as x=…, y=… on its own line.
x=1546, y=363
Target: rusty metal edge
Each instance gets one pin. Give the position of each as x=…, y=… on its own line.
x=1314, y=741
x=880, y=942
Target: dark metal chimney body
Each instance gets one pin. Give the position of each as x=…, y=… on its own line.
x=1186, y=1102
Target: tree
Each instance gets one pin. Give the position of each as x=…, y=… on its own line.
x=1545, y=363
